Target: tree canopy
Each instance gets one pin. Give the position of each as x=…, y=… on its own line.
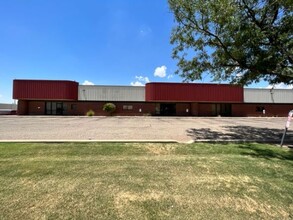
x=240, y=41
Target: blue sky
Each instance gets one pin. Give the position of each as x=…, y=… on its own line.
x=113, y=42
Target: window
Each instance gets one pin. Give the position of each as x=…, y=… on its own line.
x=73, y=106
x=157, y=109
x=260, y=108
x=127, y=107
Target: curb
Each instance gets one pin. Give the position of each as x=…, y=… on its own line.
x=273, y=141
x=89, y=141
x=269, y=141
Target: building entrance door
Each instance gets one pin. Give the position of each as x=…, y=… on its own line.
x=59, y=108
x=54, y=108
x=222, y=110
x=168, y=109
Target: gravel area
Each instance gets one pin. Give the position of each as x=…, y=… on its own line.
x=179, y=129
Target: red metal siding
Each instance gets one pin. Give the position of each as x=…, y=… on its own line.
x=45, y=90
x=193, y=92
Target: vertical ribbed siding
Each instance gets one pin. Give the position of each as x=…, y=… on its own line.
x=111, y=93
x=45, y=90
x=268, y=95
x=193, y=92
x=8, y=106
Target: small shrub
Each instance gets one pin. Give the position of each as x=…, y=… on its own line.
x=90, y=113
x=109, y=107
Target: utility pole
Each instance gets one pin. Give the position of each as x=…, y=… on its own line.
x=290, y=114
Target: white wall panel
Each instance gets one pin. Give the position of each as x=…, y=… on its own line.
x=8, y=106
x=268, y=95
x=111, y=93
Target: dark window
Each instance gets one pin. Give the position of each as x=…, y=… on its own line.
x=158, y=109
x=48, y=108
x=73, y=106
x=260, y=108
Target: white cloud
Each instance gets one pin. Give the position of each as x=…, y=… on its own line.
x=144, y=30
x=88, y=83
x=141, y=80
x=137, y=83
x=170, y=76
x=160, y=71
x=280, y=86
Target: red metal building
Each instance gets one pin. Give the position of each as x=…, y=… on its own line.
x=43, y=96
x=194, y=98
x=193, y=92
x=55, y=97
x=45, y=90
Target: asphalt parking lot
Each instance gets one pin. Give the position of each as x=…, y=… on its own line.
x=178, y=129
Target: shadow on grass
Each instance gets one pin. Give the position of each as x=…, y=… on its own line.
x=244, y=133
x=248, y=133
x=265, y=153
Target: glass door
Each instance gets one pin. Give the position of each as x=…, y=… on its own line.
x=54, y=108
x=59, y=108
x=222, y=109
x=168, y=109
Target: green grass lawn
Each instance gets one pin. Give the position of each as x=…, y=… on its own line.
x=145, y=181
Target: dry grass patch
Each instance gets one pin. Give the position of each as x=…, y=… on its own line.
x=156, y=148
x=125, y=201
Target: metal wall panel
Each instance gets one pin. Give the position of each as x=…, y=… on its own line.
x=8, y=106
x=45, y=90
x=111, y=93
x=193, y=92
x=268, y=95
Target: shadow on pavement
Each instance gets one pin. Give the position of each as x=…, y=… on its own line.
x=245, y=133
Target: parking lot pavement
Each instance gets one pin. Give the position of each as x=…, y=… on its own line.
x=179, y=129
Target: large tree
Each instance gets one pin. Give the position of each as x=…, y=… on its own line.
x=240, y=41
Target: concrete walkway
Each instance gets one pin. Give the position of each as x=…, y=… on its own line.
x=149, y=129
